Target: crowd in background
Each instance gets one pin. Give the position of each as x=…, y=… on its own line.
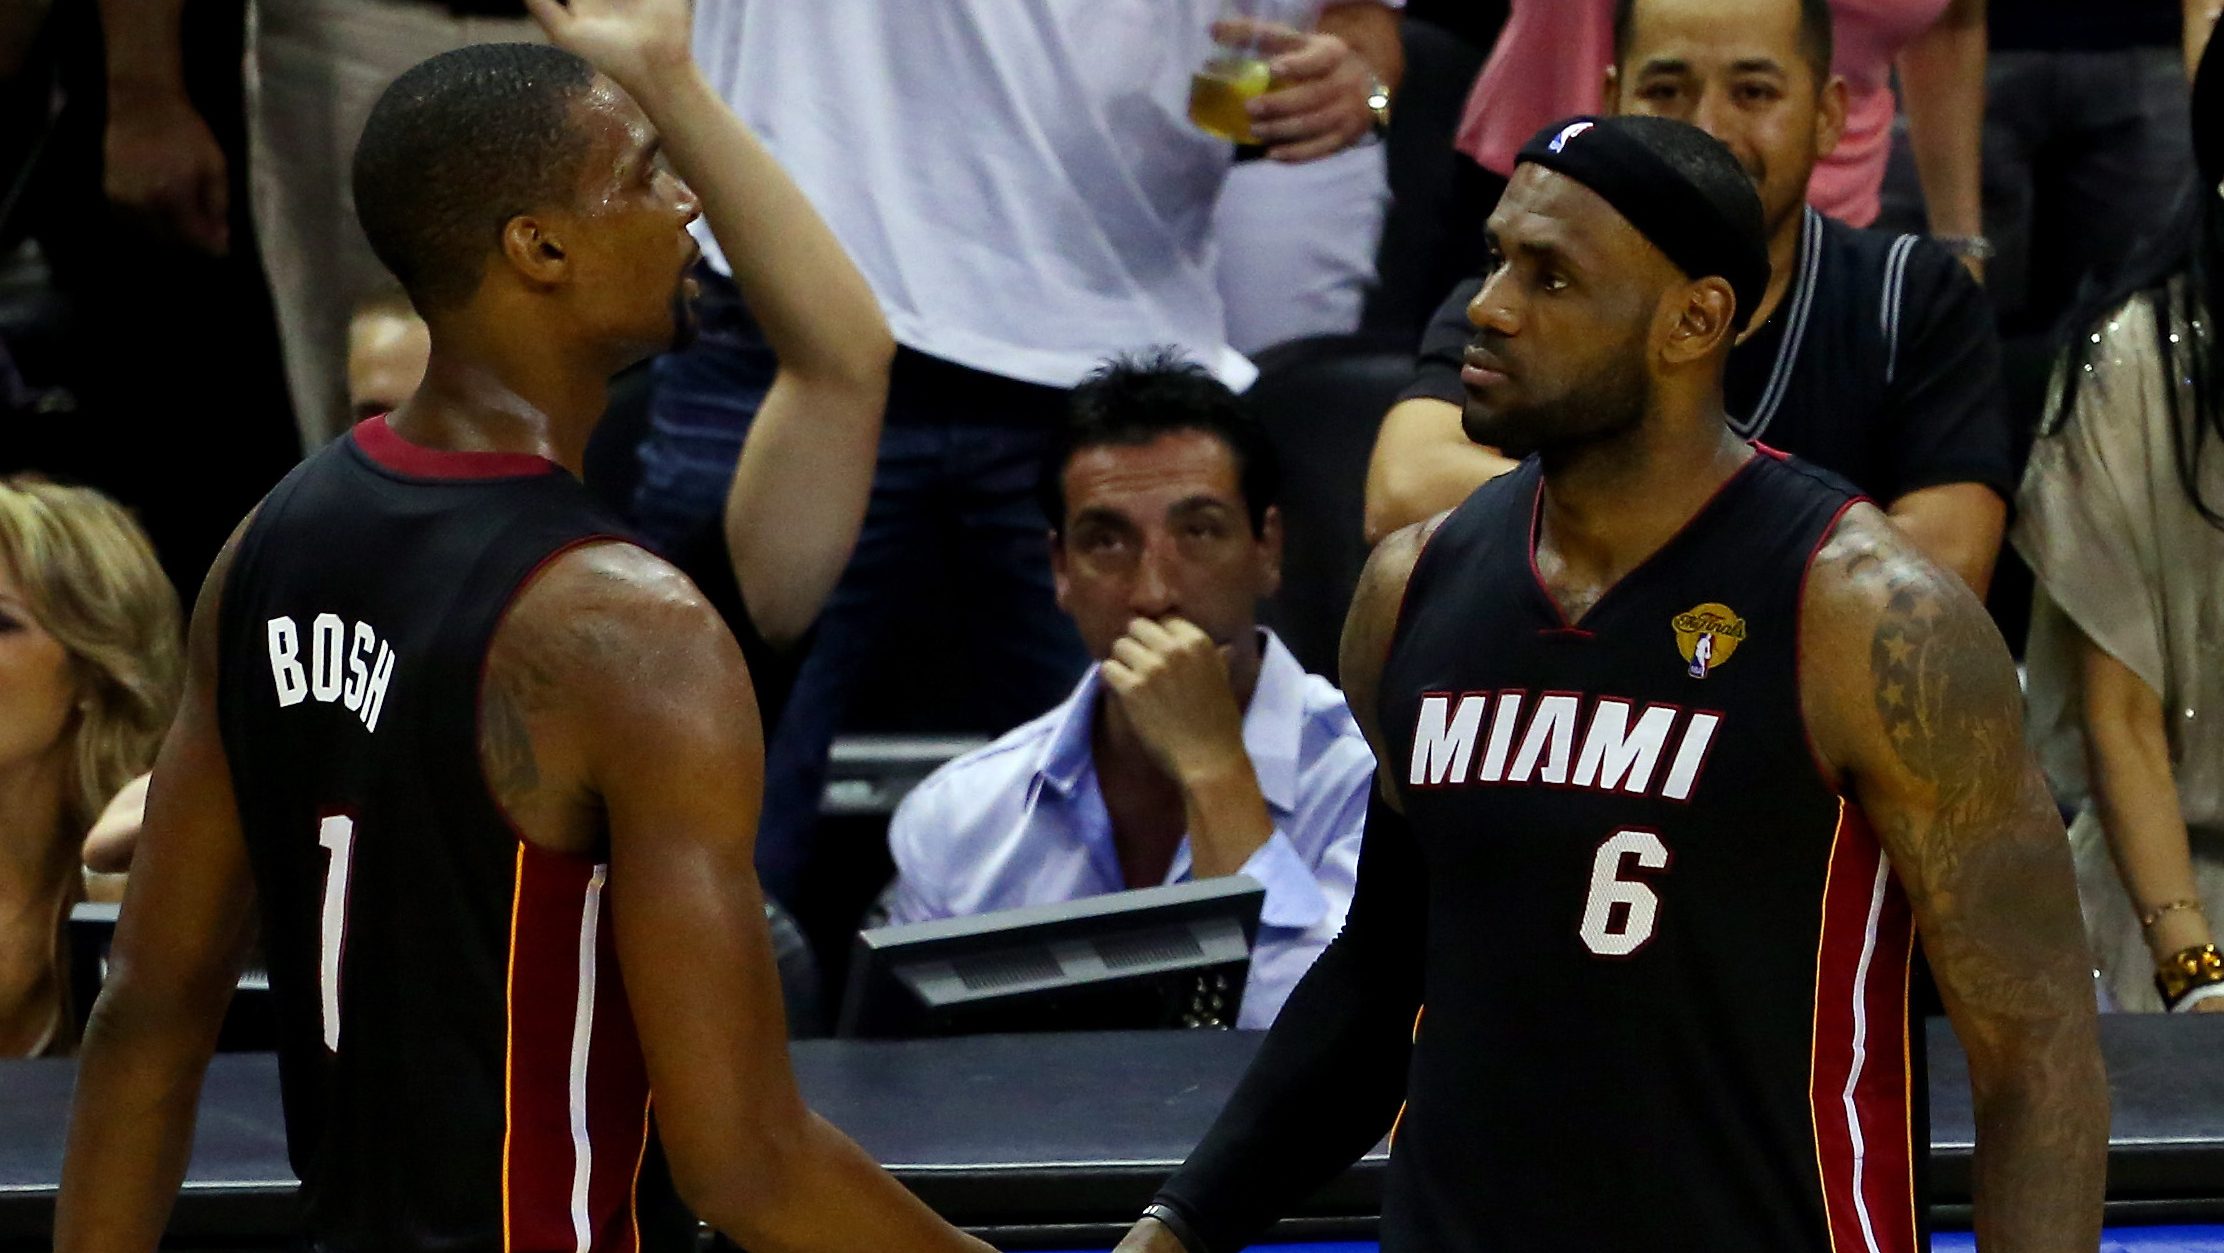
x=1995, y=240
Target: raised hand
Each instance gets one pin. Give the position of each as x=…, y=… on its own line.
x=635, y=42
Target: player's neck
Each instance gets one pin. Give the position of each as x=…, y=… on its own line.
x=525, y=404
x=1609, y=506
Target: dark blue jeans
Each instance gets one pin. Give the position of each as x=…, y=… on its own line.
x=945, y=614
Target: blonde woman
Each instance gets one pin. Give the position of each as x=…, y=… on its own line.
x=89, y=675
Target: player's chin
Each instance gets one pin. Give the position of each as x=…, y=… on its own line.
x=1493, y=426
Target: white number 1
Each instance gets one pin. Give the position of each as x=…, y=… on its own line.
x=337, y=836
x=1608, y=889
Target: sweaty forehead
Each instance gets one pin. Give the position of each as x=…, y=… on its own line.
x=615, y=128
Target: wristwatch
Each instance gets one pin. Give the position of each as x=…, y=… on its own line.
x=1378, y=106
x=1974, y=247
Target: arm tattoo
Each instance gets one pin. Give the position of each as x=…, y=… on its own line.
x=515, y=689
x=1970, y=829
x=1988, y=849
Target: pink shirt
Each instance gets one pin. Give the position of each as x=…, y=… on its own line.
x=1551, y=59
x=1870, y=34
x=1550, y=63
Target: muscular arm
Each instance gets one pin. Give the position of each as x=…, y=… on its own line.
x=1913, y=701
x=616, y=700
x=799, y=490
x=185, y=922
x=1423, y=464
x=1958, y=526
x=1942, y=84
x=1329, y=1076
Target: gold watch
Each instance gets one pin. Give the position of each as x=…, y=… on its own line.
x=2187, y=969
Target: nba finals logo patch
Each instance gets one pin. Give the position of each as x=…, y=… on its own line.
x=1707, y=636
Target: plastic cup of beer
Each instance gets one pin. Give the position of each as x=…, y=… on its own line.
x=1236, y=71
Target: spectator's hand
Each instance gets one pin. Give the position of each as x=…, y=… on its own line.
x=108, y=846
x=1172, y=682
x=2213, y=1005
x=162, y=166
x=1319, y=102
x=632, y=41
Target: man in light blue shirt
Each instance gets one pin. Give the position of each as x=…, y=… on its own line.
x=1196, y=746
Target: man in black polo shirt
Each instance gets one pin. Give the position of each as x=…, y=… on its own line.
x=1872, y=354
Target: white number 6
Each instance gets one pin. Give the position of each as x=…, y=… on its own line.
x=337, y=836
x=1608, y=889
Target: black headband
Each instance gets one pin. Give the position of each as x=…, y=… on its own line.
x=1700, y=236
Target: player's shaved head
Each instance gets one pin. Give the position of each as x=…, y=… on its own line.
x=459, y=145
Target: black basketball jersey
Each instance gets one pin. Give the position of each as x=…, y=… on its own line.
x=1667, y=966
x=459, y=1065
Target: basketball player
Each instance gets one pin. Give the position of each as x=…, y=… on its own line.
x=1680, y=742
x=490, y=773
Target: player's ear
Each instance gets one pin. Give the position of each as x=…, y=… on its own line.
x=1700, y=320
x=1830, y=117
x=532, y=248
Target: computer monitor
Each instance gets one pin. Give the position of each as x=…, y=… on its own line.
x=1154, y=957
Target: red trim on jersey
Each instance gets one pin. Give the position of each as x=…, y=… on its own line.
x=1823, y=772
x=379, y=442
x=1860, y=1097
x=541, y=1162
x=617, y=1102
x=1536, y=528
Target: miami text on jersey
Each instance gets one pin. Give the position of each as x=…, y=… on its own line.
x=351, y=668
x=1550, y=741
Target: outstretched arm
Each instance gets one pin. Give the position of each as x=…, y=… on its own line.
x=182, y=933
x=800, y=488
x=1913, y=700
x=615, y=696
